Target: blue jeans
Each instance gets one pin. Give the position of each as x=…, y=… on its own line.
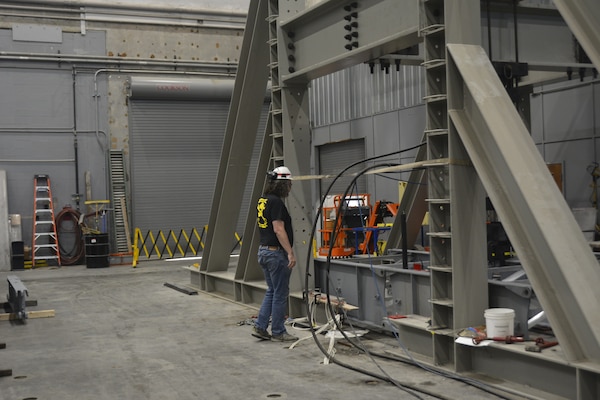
x=277, y=275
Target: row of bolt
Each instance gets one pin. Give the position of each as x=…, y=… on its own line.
x=291, y=57
x=352, y=26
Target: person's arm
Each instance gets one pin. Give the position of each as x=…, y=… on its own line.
x=279, y=228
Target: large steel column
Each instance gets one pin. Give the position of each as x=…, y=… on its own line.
x=456, y=198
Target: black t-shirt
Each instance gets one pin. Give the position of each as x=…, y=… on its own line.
x=271, y=208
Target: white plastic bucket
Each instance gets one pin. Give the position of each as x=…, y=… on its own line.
x=499, y=322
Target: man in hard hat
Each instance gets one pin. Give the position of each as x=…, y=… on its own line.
x=275, y=255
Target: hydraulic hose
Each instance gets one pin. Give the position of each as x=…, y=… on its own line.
x=412, y=390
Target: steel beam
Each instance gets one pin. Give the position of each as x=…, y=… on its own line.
x=583, y=17
x=316, y=38
x=559, y=263
x=240, y=135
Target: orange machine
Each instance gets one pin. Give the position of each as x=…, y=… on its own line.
x=363, y=225
x=340, y=246
x=378, y=212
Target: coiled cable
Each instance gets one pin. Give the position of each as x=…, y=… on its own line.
x=69, y=231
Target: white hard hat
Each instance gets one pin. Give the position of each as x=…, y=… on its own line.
x=281, y=173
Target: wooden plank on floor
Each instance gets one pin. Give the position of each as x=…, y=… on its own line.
x=30, y=315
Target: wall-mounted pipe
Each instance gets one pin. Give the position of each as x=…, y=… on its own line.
x=76, y=195
x=44, y=130
x=230, y=67
x=120, y=13
x=87, y=17
x=63, y=160
x=75, y=6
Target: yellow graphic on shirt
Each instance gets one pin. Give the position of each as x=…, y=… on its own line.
x=262, y=205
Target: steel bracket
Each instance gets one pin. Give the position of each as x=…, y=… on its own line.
x=17, y=296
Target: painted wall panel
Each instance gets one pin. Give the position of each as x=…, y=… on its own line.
x=576, y=156
x=386, y=135
x=92, y=43
x=362, y=127
x=569, y=114
x=340, y=131
x=321, y=136
x=32, y=100
x=357, y=92
x=564, y=120
x=412, y=125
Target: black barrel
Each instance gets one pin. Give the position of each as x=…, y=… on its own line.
x=96, y=250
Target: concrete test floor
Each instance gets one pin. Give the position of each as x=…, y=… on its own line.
x=120, y=333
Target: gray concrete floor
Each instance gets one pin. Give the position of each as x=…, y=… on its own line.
x=120, y=333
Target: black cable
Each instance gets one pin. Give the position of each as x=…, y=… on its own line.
x=471, y=382
x=334, y=360
x=445, y=374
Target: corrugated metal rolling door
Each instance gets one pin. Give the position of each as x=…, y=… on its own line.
x=334, y=157
x=175, y=151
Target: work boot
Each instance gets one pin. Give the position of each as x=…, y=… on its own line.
x=284, y=337
x=260, y=333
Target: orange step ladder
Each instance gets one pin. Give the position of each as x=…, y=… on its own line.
x=44, y=245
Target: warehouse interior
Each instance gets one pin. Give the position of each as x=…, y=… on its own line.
x=444, y=154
